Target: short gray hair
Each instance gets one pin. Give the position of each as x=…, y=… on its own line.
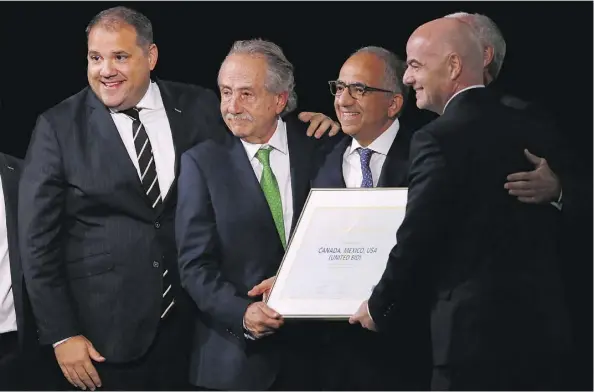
x=394, y=69
x=113, y=18
x=489, y=34
x=279, y=75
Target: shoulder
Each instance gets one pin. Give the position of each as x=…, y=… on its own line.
x=11, y=161
x=65, y=109
x=186, y=90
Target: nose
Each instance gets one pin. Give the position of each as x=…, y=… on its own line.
x=345, y=99
x=107, y=69
x=233, y=106
x=407, y=78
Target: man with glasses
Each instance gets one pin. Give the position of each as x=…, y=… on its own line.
x=369, y=96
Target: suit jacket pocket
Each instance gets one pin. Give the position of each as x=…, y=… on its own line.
x=90, y=265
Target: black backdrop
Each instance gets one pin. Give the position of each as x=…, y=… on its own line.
x=549, y=56
x=549, y=61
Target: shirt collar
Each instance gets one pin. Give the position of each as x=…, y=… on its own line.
x=464, y=89
x=151, y=99
x=278, y=141
x=382, y=143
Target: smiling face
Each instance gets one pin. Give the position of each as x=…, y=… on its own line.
x=367, y=117
x=118, y=68
x=427, y=74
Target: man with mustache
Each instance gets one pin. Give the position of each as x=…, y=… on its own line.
x=96, y=214
x=239, y=200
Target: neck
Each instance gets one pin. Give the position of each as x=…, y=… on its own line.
x=366, y=138
x=262, y=137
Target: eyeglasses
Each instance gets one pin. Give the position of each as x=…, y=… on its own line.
x=357, y=90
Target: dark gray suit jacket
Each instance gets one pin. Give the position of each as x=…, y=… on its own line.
x=227, y=243
x=93, y=248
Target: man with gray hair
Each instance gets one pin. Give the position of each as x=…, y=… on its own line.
x=239, y=199
x=486, y=262
x=542, y=184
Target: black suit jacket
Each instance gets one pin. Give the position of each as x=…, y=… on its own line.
x=93, y=249
x=486, y=260
x=10, y=170
x=394, y=171
x=227, y=243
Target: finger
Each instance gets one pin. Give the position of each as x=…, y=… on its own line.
x=353, y=319
x=261, y=287
x=530, y=199
x=269, y=312
x=314, y=123
x=66, y=375
x=270, y=324
x=305, y=116
x=335, y=128
x=93, y=374
x=523, y=192
x=74, y=376
x=84, y=376
x=94, y=354
x=535, y=160
x=520, y=176
x=326, y=123
x=518, y=185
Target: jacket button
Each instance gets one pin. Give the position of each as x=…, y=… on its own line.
x=156, y=264
x=157, y=224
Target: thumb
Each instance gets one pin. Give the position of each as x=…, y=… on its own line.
x=305, y=116
x=536, y=161
x=94, y=354
x=257, y=290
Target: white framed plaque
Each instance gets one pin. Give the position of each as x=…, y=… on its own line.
x=338, y=252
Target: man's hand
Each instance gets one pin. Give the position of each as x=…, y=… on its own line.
x=261, y=320
x=262, y=288
x=74, y=357
x=319, y=124
x=363, y=317
x=538, y=186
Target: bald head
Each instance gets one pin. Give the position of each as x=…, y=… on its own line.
x=444, y=57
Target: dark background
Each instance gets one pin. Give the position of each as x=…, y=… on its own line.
x=548, y=62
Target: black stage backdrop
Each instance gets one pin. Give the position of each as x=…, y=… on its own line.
x=548, y=62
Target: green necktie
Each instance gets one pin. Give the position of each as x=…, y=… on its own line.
x=271, y=192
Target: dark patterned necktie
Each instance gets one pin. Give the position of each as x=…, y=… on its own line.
x=365, y=155
x=146, y=160
x=150, y=183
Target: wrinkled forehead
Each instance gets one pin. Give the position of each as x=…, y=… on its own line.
x=363, y=68
x=243, y=71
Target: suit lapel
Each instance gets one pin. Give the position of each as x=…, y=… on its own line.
x=299, y=158
x=174, y=116
x=248, y=180
x=9, y=177
x=331, y=175
x=101, y=124
x=395, y=169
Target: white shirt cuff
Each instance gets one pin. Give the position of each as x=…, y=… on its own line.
x=369, y=313
x=60, y=342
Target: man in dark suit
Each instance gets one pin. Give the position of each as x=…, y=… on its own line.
x=486, y=260
x=96, y=207
x=239, y=200
x=566, y=184
x=375, y=155
x=19, y=347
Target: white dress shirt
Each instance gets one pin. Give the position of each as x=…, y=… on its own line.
x=281, y=167
x=156, y=124
x=7, y=312
x=351, y=161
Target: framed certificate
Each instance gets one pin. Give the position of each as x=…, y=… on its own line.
x=338, y=251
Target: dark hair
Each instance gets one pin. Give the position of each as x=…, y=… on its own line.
x=113, y=18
